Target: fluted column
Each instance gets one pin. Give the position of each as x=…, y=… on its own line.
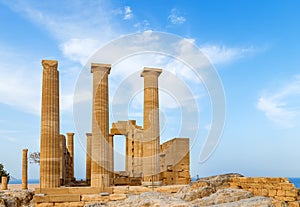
x=71, y=151
x=3, y=183
x=151, y=137
x=111, y=157
x=88, y=157
x=24, y=169
x=100, y=128
x=49, y=157
x=62, y=157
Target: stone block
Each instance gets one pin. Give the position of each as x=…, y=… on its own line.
x=278, y=203
x=272, y=193
x=52, y=191
x=291, y=193
x=293, y=204
x=264, y=192
x=95, y=197
x=284, y=198
x=170, y=188
x=83, y=190
x=287, y=186
x=280, y=193
x=116, y=197
x=44, y=204
x=70, y=204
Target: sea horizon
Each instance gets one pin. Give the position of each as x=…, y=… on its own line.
x=294, y=180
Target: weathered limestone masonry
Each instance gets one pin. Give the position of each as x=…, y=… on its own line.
x=3, y=183
x=49, y=149
x=88, y=157
x=62, y=157
x=133, y=135
x=100, y=129
x=151, y=134
x=175, y=161
x=24, y=169
x=111, y=157
x=278, y=188
x=71, y=150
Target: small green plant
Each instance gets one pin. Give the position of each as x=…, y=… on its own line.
x=3, y=173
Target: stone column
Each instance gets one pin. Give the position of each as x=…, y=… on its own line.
x=4, y=183
x=151, y=134
x=71, y=151
x=111, y=157
x=88, y=157
x=49, y=158
x=24, y=170
x=100, y=128
x=62, y=157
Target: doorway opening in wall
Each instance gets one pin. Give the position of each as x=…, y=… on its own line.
x=119, y=153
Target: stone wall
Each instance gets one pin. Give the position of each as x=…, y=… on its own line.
x=278, y=188
x=175, y=162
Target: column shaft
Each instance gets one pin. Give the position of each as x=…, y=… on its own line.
x=111, y=157
x=151, y=134
x=88, y=157
x=4, y=183
x=49, y=158
x=24, y=169
x=62, y=157
x=71, y=151
x=100, y=128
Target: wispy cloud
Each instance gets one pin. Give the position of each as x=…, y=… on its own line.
x=219, y=54
x=127, y=13
x=175, y=17
x=282, y=106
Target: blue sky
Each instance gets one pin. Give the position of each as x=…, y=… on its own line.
x=253, y=45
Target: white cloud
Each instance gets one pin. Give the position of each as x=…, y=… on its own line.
x=175, y=17
x=127, y=13
x=80, y=27
x=282, y=106
x=16, y=90
x=80, y=49
x=221, y=54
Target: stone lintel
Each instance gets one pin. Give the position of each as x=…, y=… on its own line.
x=100, y=67
x=50, y=64
x=151, y=71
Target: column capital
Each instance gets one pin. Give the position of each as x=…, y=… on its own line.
x=50, y=64
x=25, y=150
x=88, y=134
x=70, y=133
x=100, y=67
x=151, y=71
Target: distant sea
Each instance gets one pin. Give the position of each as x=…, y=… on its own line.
x=295, y=181
x=19, y=181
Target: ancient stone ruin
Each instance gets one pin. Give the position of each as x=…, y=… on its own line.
x=147, y=162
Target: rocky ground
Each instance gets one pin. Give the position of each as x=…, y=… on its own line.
x=211, y=191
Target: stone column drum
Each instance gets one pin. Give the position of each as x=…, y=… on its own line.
x=70, y=137
x=4, y=183
x=62, y=157
x=100, y=129
x=24, y=169
x=111, y=157
x=49, y=155
x=151, y=134
x=88, y=157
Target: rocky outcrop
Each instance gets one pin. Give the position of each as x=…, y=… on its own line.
x=16, y=198
x=230, y=190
